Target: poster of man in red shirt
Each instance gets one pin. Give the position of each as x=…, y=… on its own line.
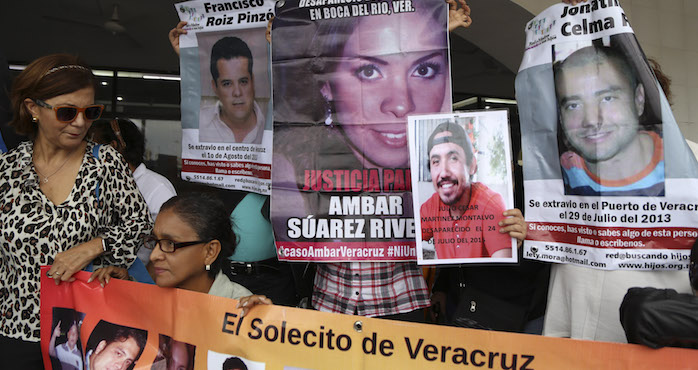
x=461, y=166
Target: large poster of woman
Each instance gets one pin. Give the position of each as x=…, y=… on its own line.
x=346, y=77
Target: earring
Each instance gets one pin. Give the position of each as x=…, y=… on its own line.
x=35, y=119
x=208, y=267
x=328, y=110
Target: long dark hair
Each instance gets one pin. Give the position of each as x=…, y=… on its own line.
x=207, y=215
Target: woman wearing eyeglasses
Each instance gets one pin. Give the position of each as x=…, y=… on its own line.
x=62, y=202
x=191, y=242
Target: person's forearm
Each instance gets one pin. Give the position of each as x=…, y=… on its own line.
x=52, y=346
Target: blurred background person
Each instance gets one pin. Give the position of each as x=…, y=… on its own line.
x=127, y=139
x=663, y=317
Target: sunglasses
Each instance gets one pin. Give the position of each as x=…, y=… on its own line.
x=67, y=114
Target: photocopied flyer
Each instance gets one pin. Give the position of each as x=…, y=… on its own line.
x=609, y=179
x=226, y=94
x=462, y=183
x=346, y=77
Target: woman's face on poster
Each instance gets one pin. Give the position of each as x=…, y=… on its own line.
x=391, y=67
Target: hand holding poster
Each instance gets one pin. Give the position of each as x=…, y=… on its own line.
x=346, y=76
x=226, y=94
x=609, y=179
x=129, y=325
x=461, y=166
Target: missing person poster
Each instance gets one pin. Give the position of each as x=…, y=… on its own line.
x=128, y=325
x=346, y=76
x=609, y=179
x=461, y=185
x=226, y=94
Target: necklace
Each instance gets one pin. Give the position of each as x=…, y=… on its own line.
x=45, y=178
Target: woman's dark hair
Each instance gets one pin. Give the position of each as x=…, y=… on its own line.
x=207, y=215
x=664, y=80
x=234, y=363
x=102, y=132
x=45, y=78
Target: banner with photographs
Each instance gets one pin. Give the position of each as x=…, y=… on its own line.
x=461, y=186
x=346, y=76
x=226, y=94
x=609, y=179
x=129, y=325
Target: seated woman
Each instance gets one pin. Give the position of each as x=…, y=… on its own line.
x=191, y=242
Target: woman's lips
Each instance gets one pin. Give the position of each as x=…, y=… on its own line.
x=395, y=139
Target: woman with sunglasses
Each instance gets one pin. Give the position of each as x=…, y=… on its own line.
x=62, y=202
x=191, y=244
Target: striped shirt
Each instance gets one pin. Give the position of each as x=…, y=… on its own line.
x=579, y=180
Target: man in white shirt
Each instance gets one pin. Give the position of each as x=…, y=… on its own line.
x=67, y=353
x=236, y=117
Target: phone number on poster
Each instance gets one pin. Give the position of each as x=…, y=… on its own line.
x=208, y=177
x=568, y=250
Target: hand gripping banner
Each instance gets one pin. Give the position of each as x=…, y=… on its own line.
x=130, y=325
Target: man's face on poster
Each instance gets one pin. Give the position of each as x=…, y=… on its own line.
x=72, y=336
x=450, y=172
x=179, y=358
x=117, y=355
x=234, y=88
x=599, y=109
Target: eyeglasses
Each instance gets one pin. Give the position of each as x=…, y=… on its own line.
x=67, y=114
x=166, y=245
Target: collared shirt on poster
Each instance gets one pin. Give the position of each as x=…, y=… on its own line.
x=579, y=180
x=370, y=288
x=213, y=130
x=70, y=359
